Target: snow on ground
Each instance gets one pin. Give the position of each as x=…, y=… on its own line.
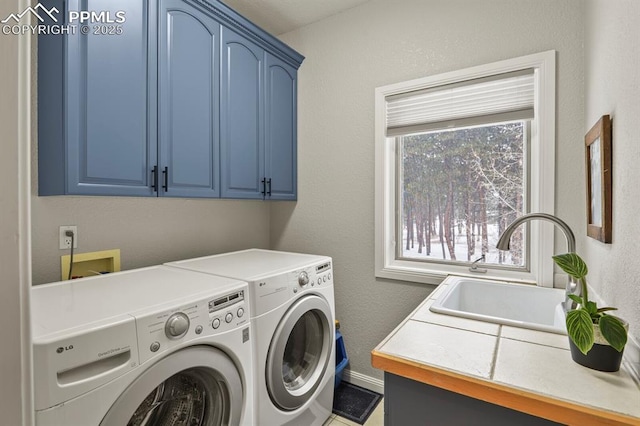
x=460, y=248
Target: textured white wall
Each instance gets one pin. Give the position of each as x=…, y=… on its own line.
x=612, y=86
x=147, y=231
x=383, y=42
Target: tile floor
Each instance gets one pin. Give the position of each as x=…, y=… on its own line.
x=375, y=419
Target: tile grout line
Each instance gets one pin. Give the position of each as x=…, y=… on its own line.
x=495, y=353
x=534, y=343
x=486, y=333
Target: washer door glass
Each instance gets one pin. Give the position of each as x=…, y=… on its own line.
x=300, y=352
x=303, y=350
x=197, y=386
x=189, y=398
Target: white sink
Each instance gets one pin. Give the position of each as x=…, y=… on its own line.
x=518, y=305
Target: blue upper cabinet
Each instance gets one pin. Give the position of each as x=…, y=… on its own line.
x=259, y=110
x=174, y=98
x=280, y=130
x=94, y=120
x=188, y=99
x=242, y=117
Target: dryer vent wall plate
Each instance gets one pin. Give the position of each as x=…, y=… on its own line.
x=90, y=264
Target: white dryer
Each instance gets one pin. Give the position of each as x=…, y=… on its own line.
x=293, y=317
x=153, y=346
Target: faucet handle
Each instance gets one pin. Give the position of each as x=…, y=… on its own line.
x=474, y=265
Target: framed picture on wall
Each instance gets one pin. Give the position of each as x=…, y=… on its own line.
x=598, y=166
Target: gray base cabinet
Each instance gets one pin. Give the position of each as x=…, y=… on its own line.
x=411, y=403
x=186, y=98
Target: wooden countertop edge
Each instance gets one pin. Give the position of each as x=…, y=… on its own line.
x=517, y=399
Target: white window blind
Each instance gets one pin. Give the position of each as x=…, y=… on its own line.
x=498, y=98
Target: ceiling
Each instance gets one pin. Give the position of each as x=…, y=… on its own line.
x=281, y=16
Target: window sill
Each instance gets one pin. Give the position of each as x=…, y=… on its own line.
x=434, y=274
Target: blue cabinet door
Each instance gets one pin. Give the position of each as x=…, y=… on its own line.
x=110, y=143
x=242, y=118
x=188, y=98
x=280, y=130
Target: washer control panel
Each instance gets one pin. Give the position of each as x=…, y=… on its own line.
x=228, y=309
x=163, y=330
x=318, y=275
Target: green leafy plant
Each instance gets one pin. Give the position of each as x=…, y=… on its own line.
x=580, y=321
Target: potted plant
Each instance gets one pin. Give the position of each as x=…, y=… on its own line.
x=596, y=338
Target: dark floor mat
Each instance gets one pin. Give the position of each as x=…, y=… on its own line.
x=354, y=403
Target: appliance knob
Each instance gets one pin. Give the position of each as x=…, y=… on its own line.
x=303, y=278
x=216, y=323
x=229, y=317
x=240, y=312
x=177, y=325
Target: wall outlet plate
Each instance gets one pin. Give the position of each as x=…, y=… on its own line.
x=65, y=242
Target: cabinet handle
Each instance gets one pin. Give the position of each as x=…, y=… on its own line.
x=269, y=183
x=165, y=174
x=154, y=178
x=264, y=187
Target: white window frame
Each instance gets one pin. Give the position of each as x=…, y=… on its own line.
x=542, y=178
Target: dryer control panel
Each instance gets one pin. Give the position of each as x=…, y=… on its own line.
x=315, y=276
x=274, y=291
x=163, y=330
x=323, y=274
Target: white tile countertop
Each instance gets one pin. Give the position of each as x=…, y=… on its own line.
x=526, y=370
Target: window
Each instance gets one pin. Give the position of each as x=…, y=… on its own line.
x=459, y=190
x=458, y=157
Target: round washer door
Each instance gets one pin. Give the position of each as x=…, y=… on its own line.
x=196, y=386
x=299, y=353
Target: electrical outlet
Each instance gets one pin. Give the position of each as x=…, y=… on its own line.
x=65, y=242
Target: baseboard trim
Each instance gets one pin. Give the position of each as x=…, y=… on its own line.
x=363, y=381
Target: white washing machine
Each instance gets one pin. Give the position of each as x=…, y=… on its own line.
x=293, y=317
x=153, y=346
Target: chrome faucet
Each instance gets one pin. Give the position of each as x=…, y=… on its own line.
x=505, y=238
x=474, y=265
